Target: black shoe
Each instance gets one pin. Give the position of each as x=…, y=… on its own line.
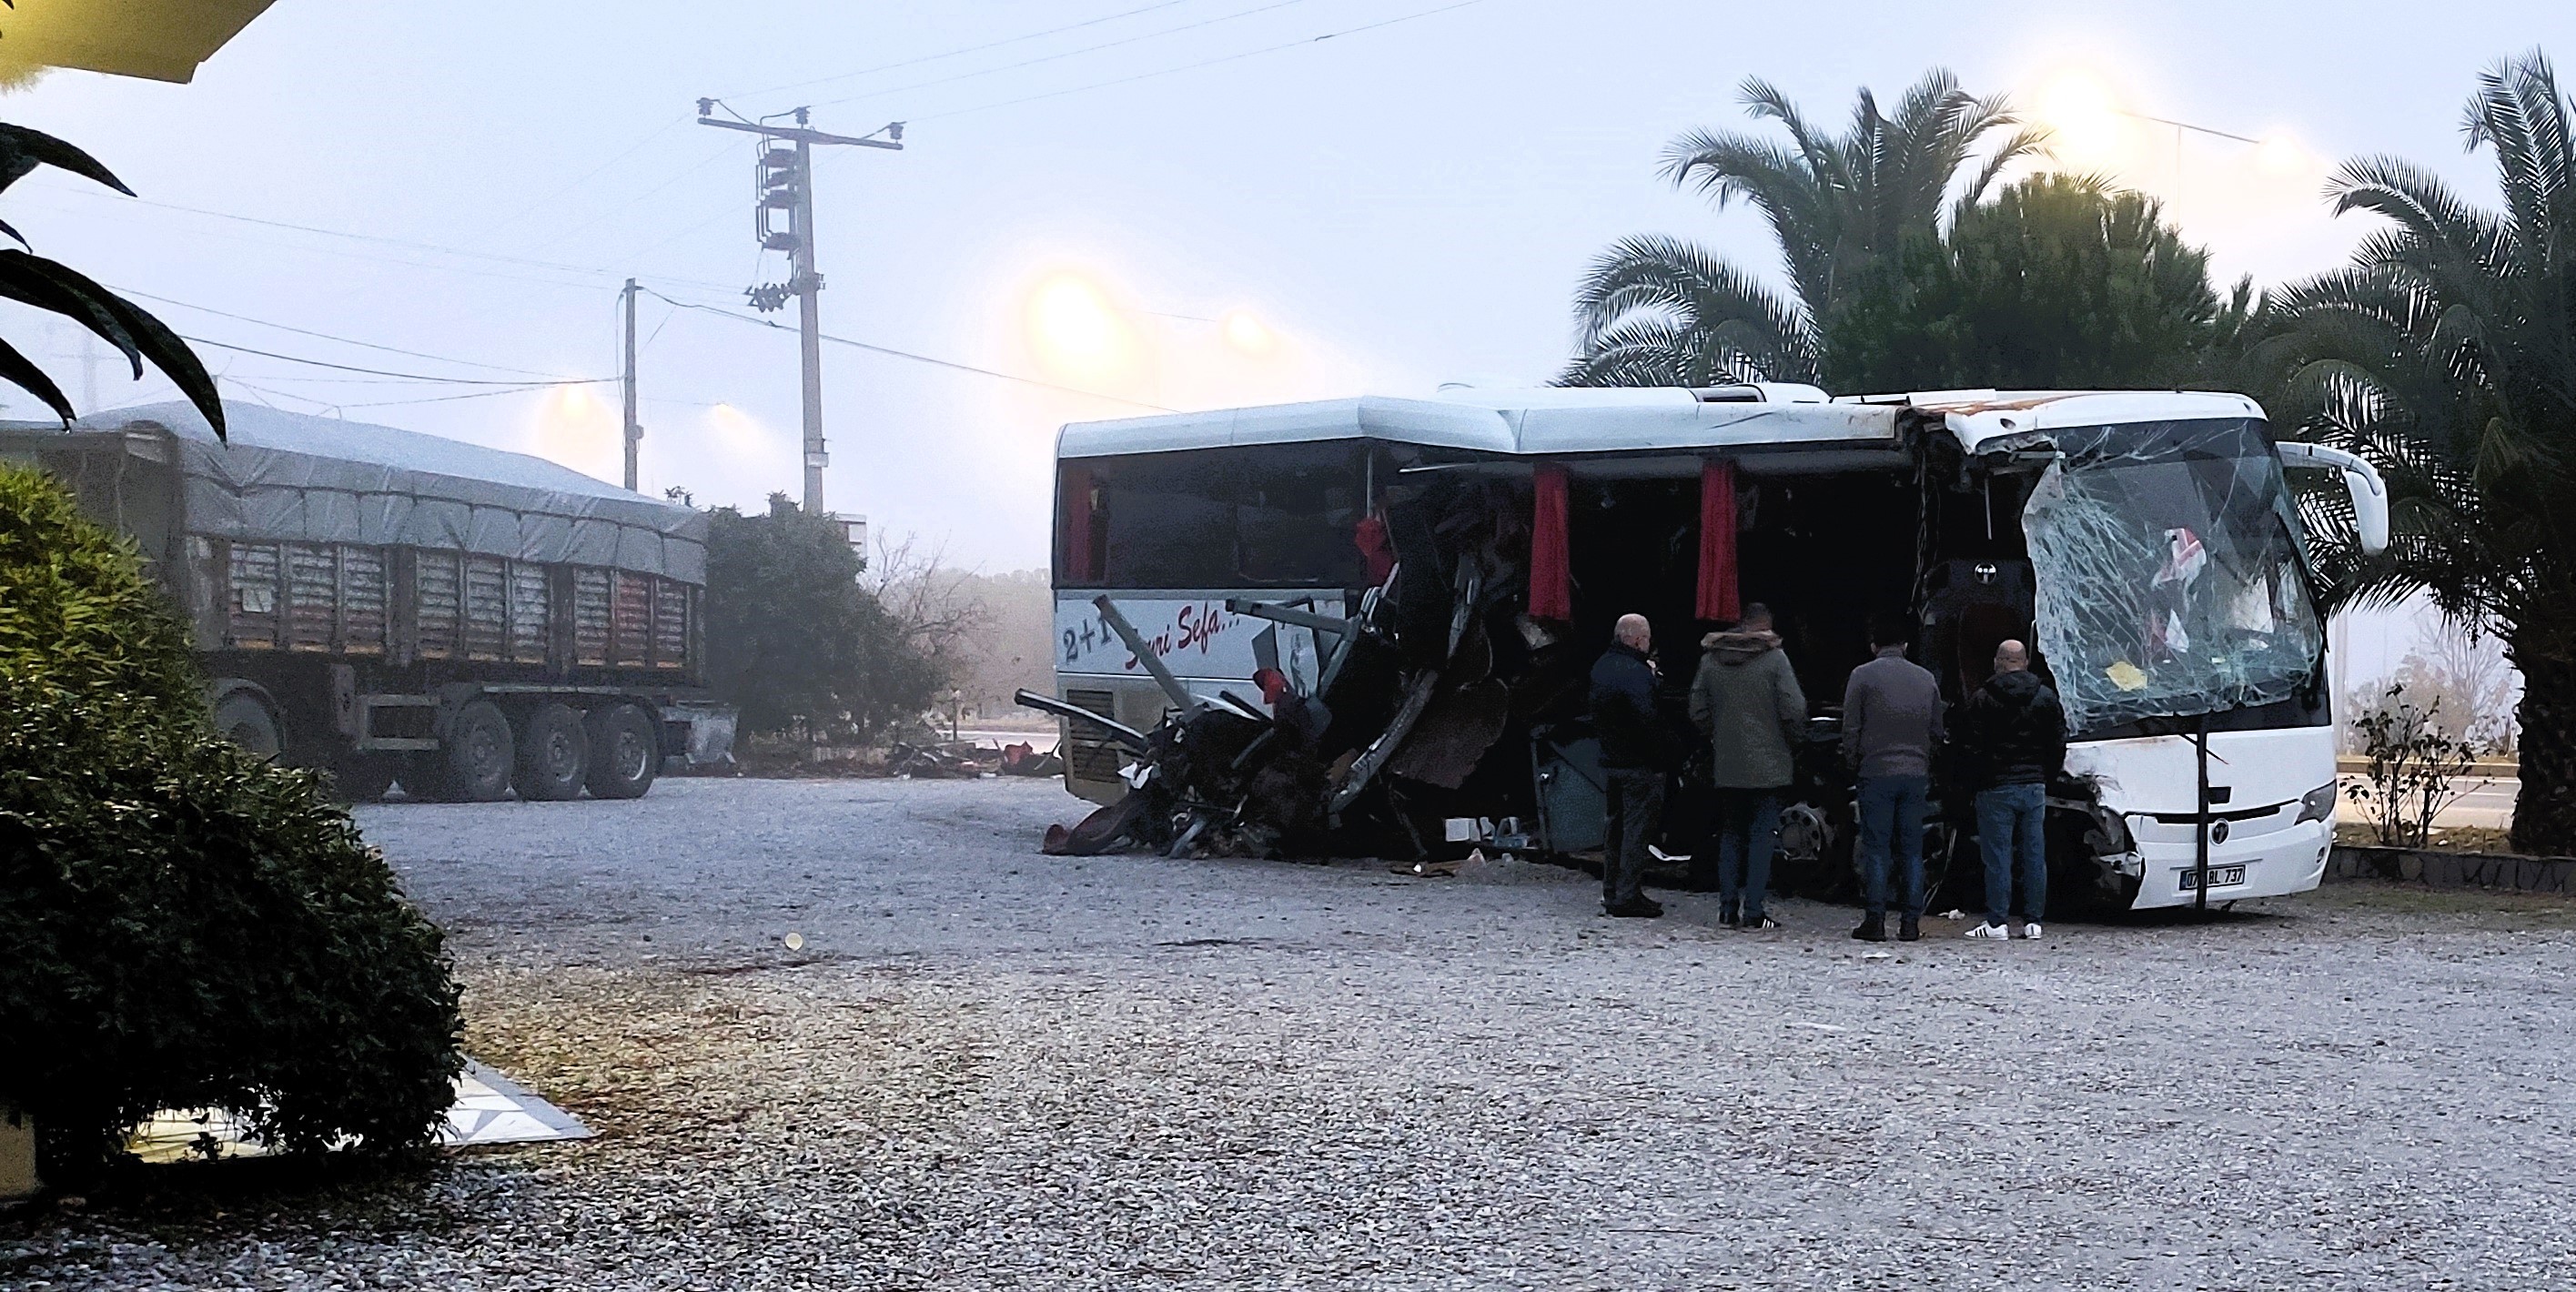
x=1909, y=927
x=1644, y=908
x=1729, y=917
x=1758, y=923
x=1873, y=927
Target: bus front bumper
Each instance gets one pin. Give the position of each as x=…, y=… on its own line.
x=2256, y=863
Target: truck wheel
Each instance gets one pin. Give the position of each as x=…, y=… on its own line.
x=473, y=761
x=625, y=752
x=244, y=719
x=554, y=755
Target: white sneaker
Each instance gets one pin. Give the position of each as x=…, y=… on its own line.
x=2030, y=930
x=1995, y=931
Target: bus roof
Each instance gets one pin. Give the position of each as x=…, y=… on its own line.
x=1557, y=422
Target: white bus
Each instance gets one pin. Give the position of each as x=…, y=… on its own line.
x=2147, y=543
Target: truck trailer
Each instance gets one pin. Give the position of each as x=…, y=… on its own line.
x=392, y=607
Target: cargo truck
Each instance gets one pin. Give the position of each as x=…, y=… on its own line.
x=393, y=607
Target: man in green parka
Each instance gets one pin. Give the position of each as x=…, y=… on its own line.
x=1747, y=702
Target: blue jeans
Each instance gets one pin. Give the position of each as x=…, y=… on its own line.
x=1748, y=828
x=1891, y=810
x=2008, y=832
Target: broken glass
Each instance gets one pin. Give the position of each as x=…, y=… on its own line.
x=2171, y=579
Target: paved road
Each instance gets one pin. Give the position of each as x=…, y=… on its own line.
x=2486, y=801
x=987, y=1069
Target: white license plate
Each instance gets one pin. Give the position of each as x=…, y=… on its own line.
x=2219, y=877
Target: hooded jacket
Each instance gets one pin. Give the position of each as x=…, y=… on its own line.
x=2013, y=731
x=1747, y=702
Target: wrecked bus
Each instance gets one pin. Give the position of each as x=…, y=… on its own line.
x=1432, y=577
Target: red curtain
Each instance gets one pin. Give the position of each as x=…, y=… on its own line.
x=1718, y=598
x=1551, y=580
x=1073, y=517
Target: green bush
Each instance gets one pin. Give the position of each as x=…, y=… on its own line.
x=182, y=926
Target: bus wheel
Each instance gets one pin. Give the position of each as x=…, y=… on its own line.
x=244, y=719
x=474, y=759
x=553, y=755
x=625, y=752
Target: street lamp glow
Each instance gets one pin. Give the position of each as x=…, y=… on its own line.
x=1248, y=334
x=2082, y=117
x=2280, y=155
x=1075, y=327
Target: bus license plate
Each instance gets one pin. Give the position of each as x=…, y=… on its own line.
x=2219, y=877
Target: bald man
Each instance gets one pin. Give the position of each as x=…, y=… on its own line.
x=2013, y=736
x=1638, y=752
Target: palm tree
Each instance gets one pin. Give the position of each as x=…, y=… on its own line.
x=1656, y=310
x=2446, y=354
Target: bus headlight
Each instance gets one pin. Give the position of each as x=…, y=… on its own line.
x=2318, y=804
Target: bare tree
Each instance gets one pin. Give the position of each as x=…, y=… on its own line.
x=2473, y=686
x=932, y=603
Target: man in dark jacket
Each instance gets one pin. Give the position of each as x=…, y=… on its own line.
x=2013, y=733
x=1891, y=724
x=1637, y=752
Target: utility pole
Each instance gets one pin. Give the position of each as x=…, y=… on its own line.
x=786, y=177
x=634, y=429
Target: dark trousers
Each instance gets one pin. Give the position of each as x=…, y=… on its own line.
x=1636, y=805
x=1748, y=828
x=2009, y=820
x=1891, y=830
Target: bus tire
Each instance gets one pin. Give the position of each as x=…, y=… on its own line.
x=474, y=760
x=625, y=752
x=246, y=720
x=553, y=755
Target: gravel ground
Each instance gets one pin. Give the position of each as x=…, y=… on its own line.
x=991, y=1069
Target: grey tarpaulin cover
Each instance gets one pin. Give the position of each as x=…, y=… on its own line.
x=296, y=478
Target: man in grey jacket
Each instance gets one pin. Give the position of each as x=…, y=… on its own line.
x=1747, y=702
x=1891, y=724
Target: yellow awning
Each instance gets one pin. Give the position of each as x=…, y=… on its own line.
x=163, y=40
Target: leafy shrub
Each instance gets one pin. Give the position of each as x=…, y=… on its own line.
x=181, y=925
x=796, y=641
x=2414, y=761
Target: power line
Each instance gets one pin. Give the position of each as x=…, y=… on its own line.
x=587, y=176
x=410, y=376
x=953, y=53
x=916, y=358
x=558, y=266
x=325, y=336
x=1049, y=58
x=1192, y=67
x=621, y=208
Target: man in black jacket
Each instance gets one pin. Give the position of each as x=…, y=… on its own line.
x=1637, y=752
x=2014, y=736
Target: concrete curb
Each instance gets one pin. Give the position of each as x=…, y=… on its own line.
x=2486, y=870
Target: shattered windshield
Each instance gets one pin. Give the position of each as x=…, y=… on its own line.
x=2171, y=579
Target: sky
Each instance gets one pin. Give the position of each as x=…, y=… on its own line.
x=1138, y=203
